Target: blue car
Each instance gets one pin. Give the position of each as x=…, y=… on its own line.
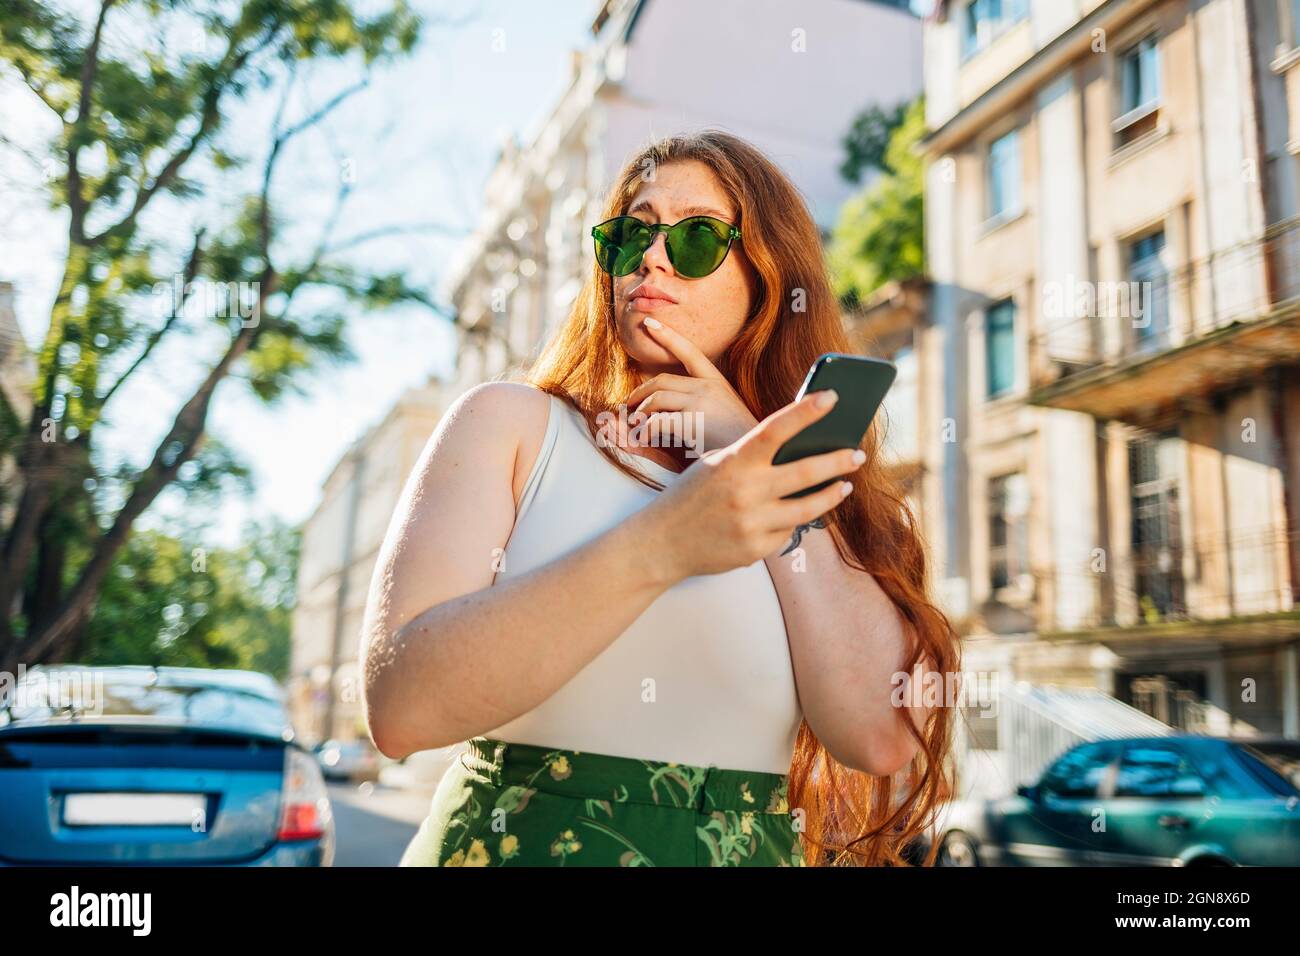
x=174, y=766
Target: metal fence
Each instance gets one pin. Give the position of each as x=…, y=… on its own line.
x=1036, y=724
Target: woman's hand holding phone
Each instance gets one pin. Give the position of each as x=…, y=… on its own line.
x=728, y=510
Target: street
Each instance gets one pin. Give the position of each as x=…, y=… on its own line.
x=375, y=822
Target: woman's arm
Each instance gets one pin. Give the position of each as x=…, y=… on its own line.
x=445, y=654
x=847, y=643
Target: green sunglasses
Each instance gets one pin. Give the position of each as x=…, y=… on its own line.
x=696, y=246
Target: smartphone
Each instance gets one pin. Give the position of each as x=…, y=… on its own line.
x=861, y=383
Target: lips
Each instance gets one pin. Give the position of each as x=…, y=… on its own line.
x=649, y=293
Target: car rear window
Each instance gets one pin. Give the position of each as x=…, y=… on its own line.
x=188, y=702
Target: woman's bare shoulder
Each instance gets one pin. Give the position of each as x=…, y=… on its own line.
x=509, y=416
x=501, y=399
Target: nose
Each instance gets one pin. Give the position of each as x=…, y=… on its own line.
x=657, y=255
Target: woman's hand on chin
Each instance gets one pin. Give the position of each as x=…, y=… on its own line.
x=730, y=510
x=718, y=416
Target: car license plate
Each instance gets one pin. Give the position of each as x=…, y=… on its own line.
x=133, y=809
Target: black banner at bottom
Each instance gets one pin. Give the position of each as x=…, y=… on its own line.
x=208, y=905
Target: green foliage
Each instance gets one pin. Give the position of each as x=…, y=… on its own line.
x=880, y=233
x=170, y=601
x=867, y=143
x=10, y=430
x=157, y=107
x=152, y=124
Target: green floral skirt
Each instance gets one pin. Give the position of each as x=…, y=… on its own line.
x=508, y=804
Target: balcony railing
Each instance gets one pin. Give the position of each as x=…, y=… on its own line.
x=1208, y=578
x=1083, y=325
x=1180, y=708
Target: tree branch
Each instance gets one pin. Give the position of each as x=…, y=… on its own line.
x=209, y=115
x=334, y=102
x=187, y=276
x=89, y=68
x=396, y=229
x=39, y=90
x=264, y=213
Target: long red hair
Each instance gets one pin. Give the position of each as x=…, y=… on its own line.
x=849, y=817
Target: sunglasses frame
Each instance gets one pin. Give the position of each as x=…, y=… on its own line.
x=733, y=233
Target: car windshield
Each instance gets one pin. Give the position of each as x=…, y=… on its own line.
x=1282, y=757
x=100, y=695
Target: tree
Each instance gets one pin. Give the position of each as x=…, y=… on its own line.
x=141, y=121
x=171, y=601
x=867, y=143
x=879, y=236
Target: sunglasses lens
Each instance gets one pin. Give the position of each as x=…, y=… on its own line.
x=620, y=243
x=698, y=245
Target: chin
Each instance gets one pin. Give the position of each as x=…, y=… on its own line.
x=642, y=350
x=652, y=364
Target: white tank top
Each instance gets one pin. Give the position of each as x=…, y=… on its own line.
x=702, y=677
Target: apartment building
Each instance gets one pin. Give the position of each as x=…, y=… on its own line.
x=894, y=324
x=789, y=77
x=1111, y=221
x=340, y=546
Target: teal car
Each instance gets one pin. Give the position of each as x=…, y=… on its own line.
x=1178, y=800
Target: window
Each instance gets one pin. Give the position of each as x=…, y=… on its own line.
x=1079, y=773
x=1149, y=770
x=1279, y=757
x=1000, y=348
x=1003, y=167
x=1141, y=79
x=1148, y=312
x=1008, y=529
x=1139, y=90
x=1156, y=526
x=983, y=21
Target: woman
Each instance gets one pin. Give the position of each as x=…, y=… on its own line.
x=610, y=619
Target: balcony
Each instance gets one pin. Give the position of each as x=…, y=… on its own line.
x=1235, y=587
x=1134, y=350
x=1180, y=708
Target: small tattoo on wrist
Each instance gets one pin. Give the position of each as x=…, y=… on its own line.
x=798, y=533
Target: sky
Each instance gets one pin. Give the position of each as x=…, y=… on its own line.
x=419, y=144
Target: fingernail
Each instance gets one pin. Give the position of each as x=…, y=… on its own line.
x=859, y=457
x=826, y=398
x=652, y=323
x=845, y=488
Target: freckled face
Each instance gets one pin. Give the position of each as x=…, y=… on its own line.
x=708, y=311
